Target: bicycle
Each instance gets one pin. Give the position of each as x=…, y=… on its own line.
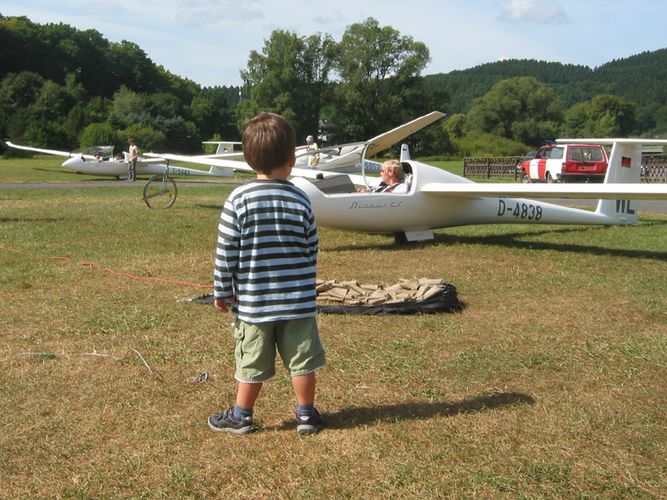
x=160, y=191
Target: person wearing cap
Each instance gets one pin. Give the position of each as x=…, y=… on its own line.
x=313, y=157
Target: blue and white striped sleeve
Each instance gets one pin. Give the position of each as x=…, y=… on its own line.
x=226, y=253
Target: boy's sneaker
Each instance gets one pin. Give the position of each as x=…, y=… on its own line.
x=226, y=422
x=309, y=424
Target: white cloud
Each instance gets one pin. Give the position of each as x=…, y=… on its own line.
x=539, y=11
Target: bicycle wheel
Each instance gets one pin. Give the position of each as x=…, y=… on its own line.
x=160, y=192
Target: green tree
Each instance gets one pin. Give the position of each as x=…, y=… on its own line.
x=101, y=134
x=380, y=82
x=98, y=109
x=603, y=116
x=127, y=108
x=131, y=65
x=148, y=138
x=455, y=125
x=18, y=91
x=485, y=144
x=75, y=122
x=52, y=103
x=520, y=109
x=179, y=135
x=289, y=77
x=211, y=113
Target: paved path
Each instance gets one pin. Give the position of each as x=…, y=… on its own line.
x=108, y=183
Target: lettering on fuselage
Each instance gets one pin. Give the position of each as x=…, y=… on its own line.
x=392, y=204
x=623, y=207
x=178, y=171
x=521, y=210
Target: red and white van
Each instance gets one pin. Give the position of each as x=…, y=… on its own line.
x=566, y=163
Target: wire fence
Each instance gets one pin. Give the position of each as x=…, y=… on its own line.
x=654, y=168
x=502, y=166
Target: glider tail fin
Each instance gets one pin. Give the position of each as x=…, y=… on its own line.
x=221, y=171
x=625, y=167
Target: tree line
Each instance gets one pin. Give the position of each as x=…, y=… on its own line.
x=65, y=88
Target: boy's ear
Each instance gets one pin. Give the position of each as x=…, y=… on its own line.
x=292, y=160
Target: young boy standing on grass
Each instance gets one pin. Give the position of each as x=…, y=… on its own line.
x=265, y=267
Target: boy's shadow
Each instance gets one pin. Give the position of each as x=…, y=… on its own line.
x=354, y=417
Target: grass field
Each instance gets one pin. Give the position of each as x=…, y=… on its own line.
x=550, y=384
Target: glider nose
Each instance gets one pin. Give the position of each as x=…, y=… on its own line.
x=71, y=163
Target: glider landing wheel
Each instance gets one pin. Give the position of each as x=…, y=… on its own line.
x=160, y=192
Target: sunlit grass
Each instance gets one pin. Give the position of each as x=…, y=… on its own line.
x=550, y=384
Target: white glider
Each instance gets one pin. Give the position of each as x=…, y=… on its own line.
x=107, y=165
x=438, y=199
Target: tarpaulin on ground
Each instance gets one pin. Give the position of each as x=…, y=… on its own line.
x=407, y=296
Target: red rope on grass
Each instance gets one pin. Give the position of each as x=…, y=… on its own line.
x=93, y=267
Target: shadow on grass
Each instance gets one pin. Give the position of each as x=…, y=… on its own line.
x=418, y=410
x=30, y=219
x=515, y=240
x=216, y=207
x=511, y=240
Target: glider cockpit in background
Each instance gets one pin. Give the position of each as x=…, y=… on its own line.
x=100, y=161
x=349, y=157
x=438, y=199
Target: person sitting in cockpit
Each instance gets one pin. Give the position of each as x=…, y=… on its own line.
x=393, y=178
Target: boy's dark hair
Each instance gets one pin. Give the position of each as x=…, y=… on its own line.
x=268, y=142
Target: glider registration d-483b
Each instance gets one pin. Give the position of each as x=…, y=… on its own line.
x=437, y=198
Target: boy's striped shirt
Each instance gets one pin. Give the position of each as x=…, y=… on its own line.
x=266, y=253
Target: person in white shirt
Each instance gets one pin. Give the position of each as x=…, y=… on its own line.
x=133, y=156
x=393, y=178
x=313, y=156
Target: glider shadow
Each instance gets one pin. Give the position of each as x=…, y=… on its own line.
x=517, y=240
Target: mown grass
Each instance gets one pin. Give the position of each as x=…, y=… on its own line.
x=40, y=168
x=549, y=384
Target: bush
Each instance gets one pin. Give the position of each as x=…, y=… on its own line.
x=481, y=144
x=99, y=134
x=147, y=138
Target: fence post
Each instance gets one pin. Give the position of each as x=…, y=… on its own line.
x=488, y=168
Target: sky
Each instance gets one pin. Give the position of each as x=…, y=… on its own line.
x=209, y=41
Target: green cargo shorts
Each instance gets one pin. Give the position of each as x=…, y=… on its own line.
x=297, y=341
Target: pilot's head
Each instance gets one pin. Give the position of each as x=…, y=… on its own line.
x=392, y=171
x=310, y=139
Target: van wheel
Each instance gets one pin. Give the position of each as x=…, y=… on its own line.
x=550, y=179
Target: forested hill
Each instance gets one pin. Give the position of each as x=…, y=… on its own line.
x=61, y=88
x=640, y=78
